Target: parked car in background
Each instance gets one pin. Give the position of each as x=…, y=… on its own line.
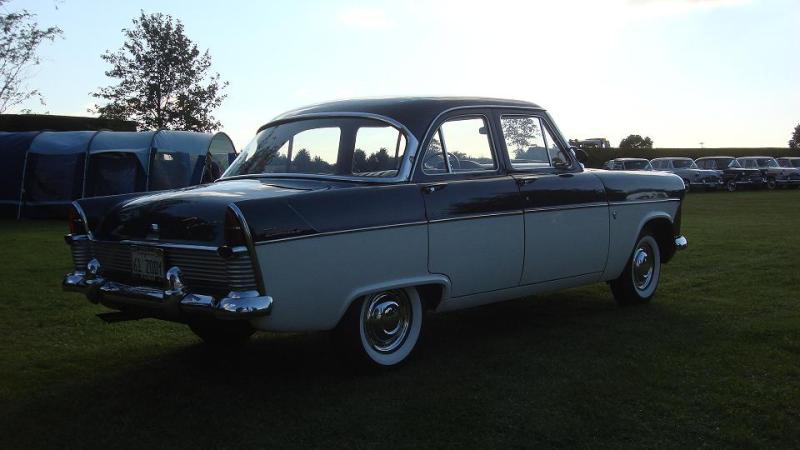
x=733, y=174
x=693, y=177
x=359, y=216
x=774, y=174
x=789, y=161
x=627, y=164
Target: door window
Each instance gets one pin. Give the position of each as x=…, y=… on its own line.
x=530, y=145
x=459, y=146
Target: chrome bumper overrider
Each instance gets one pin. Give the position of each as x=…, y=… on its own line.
x=174, y=302
x=681, y=243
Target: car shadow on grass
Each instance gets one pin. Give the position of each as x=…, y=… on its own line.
x=295, y=390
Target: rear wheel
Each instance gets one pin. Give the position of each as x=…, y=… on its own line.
x=687, y=186
x=638, y=282
x=382, y=329
x=222, y=333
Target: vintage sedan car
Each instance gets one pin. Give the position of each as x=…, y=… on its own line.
x=733, y=174
x=361, y=216
x=775, y=175
x=628, y=164
x=693, y=177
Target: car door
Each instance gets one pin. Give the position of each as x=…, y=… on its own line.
x=566, y=214
x=473, y=207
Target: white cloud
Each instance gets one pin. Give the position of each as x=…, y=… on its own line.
x=364, y=18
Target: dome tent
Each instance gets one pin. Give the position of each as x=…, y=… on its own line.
x=13, y=147
x=54, y=172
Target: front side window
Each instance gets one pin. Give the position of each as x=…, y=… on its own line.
x=749, y=163
x=530, y=145
x=767, y=162
x=458, y=146
x=346, y=146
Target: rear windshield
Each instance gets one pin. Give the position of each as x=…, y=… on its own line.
x=637, y=165
x=682, y=163
x=346, y=146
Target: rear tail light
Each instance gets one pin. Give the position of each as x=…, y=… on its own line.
x=75, y=221
x=234, y=233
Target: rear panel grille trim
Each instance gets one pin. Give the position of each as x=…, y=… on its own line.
x=203, y=269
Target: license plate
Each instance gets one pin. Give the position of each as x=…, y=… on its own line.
x=147, y=263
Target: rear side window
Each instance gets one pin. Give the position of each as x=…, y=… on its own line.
x=530, y=145
x=460, y=145
x=378, y=151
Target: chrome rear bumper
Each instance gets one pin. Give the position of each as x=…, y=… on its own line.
x=175, y=303
x=681, y=243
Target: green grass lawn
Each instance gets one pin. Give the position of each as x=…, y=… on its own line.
x=714, y=361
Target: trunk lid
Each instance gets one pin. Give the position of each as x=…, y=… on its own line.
x=195, y=214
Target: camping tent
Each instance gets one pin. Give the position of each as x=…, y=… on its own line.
x=13, y=148
x=54, y=172
x=46, y=171
x=184, y=158
x=118, y=163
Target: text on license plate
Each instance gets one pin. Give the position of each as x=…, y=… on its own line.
x=147, y=263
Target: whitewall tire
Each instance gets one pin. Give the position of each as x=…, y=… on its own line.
x=382, y=329
x=638, y=282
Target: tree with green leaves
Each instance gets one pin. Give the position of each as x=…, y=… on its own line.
x=163, y=80
x=20, y=39
x=794, y=142
x=634, y=141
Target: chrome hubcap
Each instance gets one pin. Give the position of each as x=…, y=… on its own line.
x=387, y=319
x=642, y=266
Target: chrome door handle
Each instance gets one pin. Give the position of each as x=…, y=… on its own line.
x=431, y=188
x=524, y=181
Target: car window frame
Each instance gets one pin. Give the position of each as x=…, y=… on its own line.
x=551, y=130
x=420, y=176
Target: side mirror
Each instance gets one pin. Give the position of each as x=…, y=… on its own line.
x=580, y=155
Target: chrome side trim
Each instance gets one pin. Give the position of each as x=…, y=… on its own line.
x=639, y=202
x=248, y=238
x=477, y=216
x=210, y=248
x=567, y=207
x=333, y=233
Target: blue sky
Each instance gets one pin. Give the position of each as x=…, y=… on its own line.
x=722, y=72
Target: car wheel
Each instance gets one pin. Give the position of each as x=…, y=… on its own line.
x=222, y=333
x=730, y=186
x=638, y=282
x=771, y=184
x=687, y=186
x=382, y=329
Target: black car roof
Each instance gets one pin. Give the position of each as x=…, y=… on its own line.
x=630, y=159
x=715, y=157
x=416, y=113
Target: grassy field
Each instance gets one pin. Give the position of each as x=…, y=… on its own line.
x=714, y=361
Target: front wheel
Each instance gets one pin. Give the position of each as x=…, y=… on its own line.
x=730, y=186
x=382, y=329
x=638, y=282
x=771, y=184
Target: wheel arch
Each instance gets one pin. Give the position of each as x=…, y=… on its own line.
x=432, y=289
x=661, y=226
